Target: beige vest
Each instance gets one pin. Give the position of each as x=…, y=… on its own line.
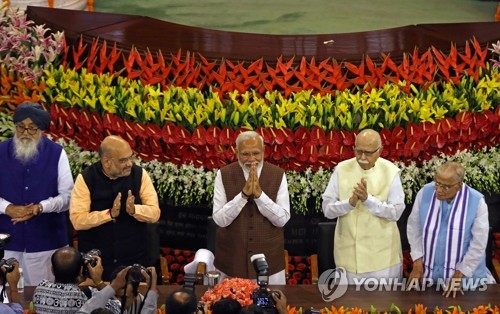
x=364, y=242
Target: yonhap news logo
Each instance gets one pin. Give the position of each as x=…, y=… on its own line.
x=332, y=284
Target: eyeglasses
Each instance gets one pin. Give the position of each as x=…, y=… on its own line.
x=123, y=161
x=360, y=152
x=21, y=128
x=444, y=187
x=250, y=154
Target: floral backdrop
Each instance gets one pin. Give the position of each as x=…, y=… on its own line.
x=181, y=113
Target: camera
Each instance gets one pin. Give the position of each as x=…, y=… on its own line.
x=8, y=264
x=261, y=296
x=89, y=259
x=4, y=238
x=134, y=273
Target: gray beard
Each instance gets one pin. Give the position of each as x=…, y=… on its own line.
x=25, y=151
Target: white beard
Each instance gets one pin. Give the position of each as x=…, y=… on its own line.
x=25, y=151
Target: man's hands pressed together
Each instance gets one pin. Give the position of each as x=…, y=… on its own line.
x=360, y=193
x=252, y=186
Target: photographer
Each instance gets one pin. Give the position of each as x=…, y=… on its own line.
x=12, y=278
x=64, y=295
x=124, y=286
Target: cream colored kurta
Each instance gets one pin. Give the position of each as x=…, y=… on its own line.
x=363, y=241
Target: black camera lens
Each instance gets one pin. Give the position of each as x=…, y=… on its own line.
x=89, y=259
x=134, y=273
x=8, y=264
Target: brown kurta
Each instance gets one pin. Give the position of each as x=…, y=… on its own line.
x=250, y=233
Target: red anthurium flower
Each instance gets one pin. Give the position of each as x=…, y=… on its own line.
x=327, y=150
x=130, y=128
x=297, y=166
x=325, y=162
x=414, y=131
x=276, y=153
x=277, y=136
x=440, y=140
x=212, y=135
x=199, y=136
x=464, y=120
x=226, y=136
x=167, y=133
x=155, y=145
x=304, y=151
x=429, y=141
x=428, y=128
x=266, y=135
x=185, y=152
x=141, y=130
x=333, y=137
x=84, y=119
x=112, y=122
x=288, y=150
x=313, y=153
x=341, y=152
x=398, y=135
x=413, y=147
x=318, y=136
x=230, y=153
x=182, y=135
x=302, y=135
x=347, y=138
x=98, y=125
x=130, y=138
x=153, y=130
x=397, y=150
x=385, y=136
x=73, y=115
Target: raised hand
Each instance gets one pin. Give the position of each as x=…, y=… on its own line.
x=361, y=191
x=115, y=210
x=130, y=208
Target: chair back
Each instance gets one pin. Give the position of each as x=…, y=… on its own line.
x=326, y=232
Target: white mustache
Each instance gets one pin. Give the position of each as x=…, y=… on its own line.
x=363, y=161
x=249, y=164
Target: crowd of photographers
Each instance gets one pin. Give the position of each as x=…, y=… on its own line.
x=78, y=288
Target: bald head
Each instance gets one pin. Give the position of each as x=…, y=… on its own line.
x=66, y=265
x=181, y=302
x=116, y=156
x=367, y=148
x=110, y=144
x=369, y=136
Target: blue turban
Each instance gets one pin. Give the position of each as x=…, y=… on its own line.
x=35, y=112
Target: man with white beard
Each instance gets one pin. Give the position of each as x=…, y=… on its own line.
x=251, y=206
x=366, y=196
x=35, y=186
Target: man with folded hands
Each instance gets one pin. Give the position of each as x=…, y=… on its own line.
x=366, y=196
x=251, y=206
